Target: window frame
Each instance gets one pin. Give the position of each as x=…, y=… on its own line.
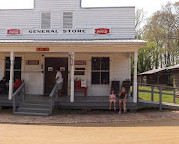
x=41, y=20
x=100, y=71
x=72, y=19
x=16, y=70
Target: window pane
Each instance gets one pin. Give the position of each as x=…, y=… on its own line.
x=105, y=63
x=7, y=62
x=7, y=75
x=95, y=78
x=17, y=63
x=45, y=20
x=105, y=78
x=95, y=63
x=17, y=75
x=17, y=66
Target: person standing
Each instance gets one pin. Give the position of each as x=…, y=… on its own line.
x=59, y=80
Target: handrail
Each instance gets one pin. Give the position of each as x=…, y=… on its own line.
x=157, y=86
x=53, y=95
x=53, y=91
x=160, y=88
x=19, y=92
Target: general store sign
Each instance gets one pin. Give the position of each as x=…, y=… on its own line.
x=102, y=31
x=13, y=32
x=57, y=31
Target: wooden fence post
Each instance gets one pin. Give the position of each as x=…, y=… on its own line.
x=14, y=105
x=174, y=95
x=137, y=93
x=152, y=93
x=160, y=98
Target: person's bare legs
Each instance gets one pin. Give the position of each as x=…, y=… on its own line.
x=110, y=103
x=114, y=105
x=124, y=105
x=120, y=105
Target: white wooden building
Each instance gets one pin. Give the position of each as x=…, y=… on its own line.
x=94, y=45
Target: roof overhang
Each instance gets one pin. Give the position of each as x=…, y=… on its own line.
x=73, y=45
x=150, y=72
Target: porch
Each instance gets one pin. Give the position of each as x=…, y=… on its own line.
x=95, y=62
x=41, y=104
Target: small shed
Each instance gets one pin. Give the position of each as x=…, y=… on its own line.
x=168, y=76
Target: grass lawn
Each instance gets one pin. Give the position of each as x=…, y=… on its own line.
x=165, y=97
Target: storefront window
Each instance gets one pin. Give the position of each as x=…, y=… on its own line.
x=17, y=68
x=100, y=70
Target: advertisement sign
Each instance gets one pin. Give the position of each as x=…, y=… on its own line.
x=13, y=32
x=42, y=49
x=102, y=31
x=80, y=62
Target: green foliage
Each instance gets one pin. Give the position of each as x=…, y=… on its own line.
x=147, y=57
x=162, y=34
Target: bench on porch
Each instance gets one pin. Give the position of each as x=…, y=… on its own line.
x=78, y=87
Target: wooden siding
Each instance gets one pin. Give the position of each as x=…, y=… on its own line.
x=34, y=78
x=176, y=80
x=121, y=21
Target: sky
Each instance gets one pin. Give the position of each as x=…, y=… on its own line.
x=149, y=6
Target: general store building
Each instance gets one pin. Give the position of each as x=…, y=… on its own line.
x=93, y=45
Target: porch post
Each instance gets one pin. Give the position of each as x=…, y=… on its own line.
x=72, y=60
x=135, y=78
x=11, y=80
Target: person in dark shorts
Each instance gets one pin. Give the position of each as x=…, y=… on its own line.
x=122, y=99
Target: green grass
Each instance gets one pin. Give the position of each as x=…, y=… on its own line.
x=165, y=97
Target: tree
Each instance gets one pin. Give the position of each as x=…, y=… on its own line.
x=162, y=29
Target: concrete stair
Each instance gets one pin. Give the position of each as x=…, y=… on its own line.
x=34, y=108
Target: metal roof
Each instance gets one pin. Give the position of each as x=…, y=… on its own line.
x=159, y=70
x=122, y=41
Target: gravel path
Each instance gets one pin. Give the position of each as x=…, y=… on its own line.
x=97, y=116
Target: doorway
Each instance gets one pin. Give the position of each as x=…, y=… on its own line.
x=51, y=64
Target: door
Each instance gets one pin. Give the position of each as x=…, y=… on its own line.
x=51, y=64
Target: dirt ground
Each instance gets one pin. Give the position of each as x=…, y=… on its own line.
x=160, y=132
x=95, y=116
x=91, y=127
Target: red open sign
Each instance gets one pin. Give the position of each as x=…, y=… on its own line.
x=14, y=32
x=102, y=31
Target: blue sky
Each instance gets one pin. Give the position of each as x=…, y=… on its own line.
x=149, y=6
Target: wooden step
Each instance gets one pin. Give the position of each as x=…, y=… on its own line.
x=31, y=114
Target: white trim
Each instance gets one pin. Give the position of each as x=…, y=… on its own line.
x=135, y=77
x=11, y=81
x=72, y=60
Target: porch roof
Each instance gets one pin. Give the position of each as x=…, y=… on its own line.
x=121, y=41
x=120, y=45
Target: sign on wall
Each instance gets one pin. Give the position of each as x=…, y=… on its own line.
x=90, y=31
x=80, y=62
x=56, y=31
x=42, y=49
x=13, y=32
x=102, y=31
x=32, y=62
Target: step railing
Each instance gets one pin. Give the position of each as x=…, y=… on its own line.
x=18, y=97
x=157, y=89
x=54, y=96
